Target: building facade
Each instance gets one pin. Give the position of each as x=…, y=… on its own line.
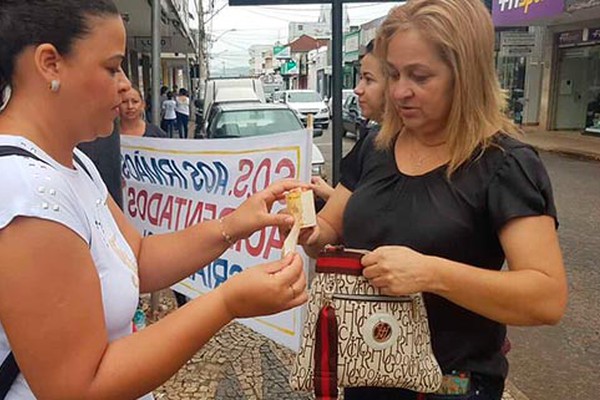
x=261, y=59
x=555, y=62
x=179, y=43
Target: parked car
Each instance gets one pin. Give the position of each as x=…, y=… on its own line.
x=249, y=86
x=306, y=102
x=227, y=94
x=352, y=119
x=345, y=94
x=240, y=120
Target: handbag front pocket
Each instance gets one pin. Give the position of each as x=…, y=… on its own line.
x=378, y=342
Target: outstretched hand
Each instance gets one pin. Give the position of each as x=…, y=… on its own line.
x=255, y=213
x=266, y=289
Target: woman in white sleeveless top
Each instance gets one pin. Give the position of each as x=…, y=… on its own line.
x=71, y=266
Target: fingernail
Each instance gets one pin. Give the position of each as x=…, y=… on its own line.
x=289, y=220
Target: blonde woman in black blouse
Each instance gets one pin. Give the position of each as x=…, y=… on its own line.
x=445, y=194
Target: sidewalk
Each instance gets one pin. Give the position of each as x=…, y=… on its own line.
x=566, y=142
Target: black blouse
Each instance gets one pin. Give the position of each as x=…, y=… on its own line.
x=457, y=219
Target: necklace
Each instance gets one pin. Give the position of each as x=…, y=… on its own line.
x=419, y=160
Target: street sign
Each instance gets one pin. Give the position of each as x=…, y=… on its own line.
x=517, y=39
x=518, y=44
x=517, y=51
x=282, y=52
x=289, y=68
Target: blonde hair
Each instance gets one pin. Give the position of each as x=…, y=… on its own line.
x=463, y=32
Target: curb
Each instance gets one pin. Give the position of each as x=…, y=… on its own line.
x=514, y=393
x=585, y=155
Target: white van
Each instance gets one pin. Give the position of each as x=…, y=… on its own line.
x=235, y=89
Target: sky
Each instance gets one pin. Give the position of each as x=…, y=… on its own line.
x=238, y=28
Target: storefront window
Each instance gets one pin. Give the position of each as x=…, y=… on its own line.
x=592, y=122
x=578, y=92
x=511, y=74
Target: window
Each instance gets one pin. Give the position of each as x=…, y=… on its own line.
x=304, y=97
x=246, y=123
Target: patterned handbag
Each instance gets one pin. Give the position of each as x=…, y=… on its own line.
x=354, y=336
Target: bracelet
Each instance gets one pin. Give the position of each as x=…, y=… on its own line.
x=226, y=236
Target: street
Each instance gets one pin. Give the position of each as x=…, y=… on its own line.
x=325, y=145
x=559, y=362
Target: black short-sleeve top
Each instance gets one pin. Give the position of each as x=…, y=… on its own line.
x=457, y=219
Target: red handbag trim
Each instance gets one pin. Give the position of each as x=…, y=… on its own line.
x=336, y=260
x=339, y=265
x=325, y=378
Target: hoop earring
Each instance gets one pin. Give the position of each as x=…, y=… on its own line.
x=55, y=85
x=5, y=97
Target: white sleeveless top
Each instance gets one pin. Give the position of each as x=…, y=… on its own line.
x=30, y=188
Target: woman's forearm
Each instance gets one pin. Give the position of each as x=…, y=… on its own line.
x=169, y=258
x=135, y=365
x=522, y=297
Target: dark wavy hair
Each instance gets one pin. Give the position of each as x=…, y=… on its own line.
x=33, y=22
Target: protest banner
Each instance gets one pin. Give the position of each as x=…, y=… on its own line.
x=170, y=184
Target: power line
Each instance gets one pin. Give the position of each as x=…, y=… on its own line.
x=290, y=19
x=249, y=29
x=233, y=44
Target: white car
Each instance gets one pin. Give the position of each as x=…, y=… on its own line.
x=305, y=102
x=246, y=119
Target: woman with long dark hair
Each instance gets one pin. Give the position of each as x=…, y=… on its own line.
x=71, y=265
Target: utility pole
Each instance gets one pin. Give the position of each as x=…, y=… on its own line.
x=202, y=61
x=337, y=69
x=156, y=39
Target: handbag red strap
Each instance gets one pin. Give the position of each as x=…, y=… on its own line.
x=333, y=260
x=337, y=260
x=325, y=378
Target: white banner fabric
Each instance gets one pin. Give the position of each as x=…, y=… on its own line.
x=170, y=184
